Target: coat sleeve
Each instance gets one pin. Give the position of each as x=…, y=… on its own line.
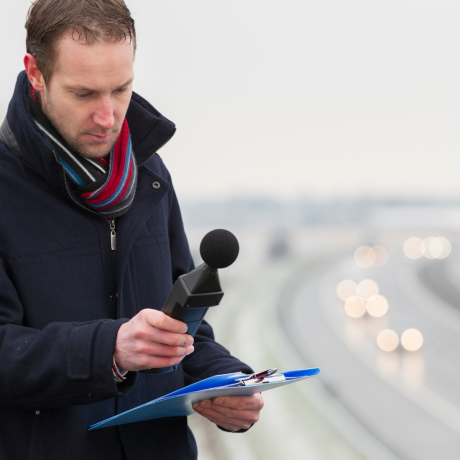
x=209, y=357
x=64, y=364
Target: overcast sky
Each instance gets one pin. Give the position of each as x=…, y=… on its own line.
x=327, y=98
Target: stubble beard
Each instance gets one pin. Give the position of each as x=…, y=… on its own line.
x=74, y=144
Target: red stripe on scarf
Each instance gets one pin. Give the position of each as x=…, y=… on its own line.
x=122, y=193
x=119, y=162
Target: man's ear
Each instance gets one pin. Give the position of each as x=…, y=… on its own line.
x=33, y=72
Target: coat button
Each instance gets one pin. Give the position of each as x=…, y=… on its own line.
x=37, y=412
x=156, y=185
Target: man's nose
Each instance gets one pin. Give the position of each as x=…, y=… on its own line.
x=103, y=115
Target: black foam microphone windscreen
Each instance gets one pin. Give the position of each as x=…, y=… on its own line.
x=219, y=248
x=194, y=292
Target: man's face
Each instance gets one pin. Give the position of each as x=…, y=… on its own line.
x=89, y=93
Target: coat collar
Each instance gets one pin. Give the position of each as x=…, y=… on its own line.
x=149, y=130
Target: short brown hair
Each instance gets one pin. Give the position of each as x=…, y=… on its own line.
x=90, y=20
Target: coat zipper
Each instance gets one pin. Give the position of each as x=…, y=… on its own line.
x=113, y=234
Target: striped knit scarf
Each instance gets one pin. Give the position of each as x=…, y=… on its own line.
x=107, y=185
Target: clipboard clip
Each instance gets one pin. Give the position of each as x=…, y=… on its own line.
x=262, y=377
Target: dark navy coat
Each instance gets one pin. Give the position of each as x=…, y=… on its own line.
x=64, y=295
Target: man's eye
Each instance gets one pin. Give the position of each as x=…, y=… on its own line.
x=121, y=90
x=81, y=95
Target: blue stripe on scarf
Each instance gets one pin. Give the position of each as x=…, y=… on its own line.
x=73, y=175
x=123, y=180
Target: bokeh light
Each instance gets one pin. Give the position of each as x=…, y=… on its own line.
x=435, y=248
x=431, y=247
x=413, y=248
x=388, y=340
x=367, y=288
x=446, y=247
x=377, y=306
x=426, y=247
x=381, y=256
x=365, y=257
x=411, y=339
x=346, y=289
x=355, y=307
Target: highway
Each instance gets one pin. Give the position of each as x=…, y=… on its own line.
x=367, y=403
x=408, y=401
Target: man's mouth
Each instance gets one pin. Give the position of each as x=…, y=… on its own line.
x=100, y=138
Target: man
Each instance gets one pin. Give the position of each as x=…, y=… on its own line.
x=91, y=241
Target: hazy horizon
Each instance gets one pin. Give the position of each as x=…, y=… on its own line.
x=300, y=99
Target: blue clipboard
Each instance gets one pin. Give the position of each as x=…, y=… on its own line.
x=179, y=403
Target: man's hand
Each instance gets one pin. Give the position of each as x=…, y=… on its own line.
x=232, y=412
x=151, y=340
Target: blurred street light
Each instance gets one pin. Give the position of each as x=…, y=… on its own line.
x=388, y=340
x=355, y=307
x=377, y=306
x=413, y=248
x=367, y=288
x=346, y=289
x=365, y=257
x=431, y=248
x=381, y=256
x=446, y=247
x=427, y=247
x=411, y=339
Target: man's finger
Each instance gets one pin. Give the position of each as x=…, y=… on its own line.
x=219, y=413
x=232, y=424
x=254, y=402
x=210, y=414
x=164, y=322
x=251, y=415
x=171, y=339
x=227, y=424
x=158, y=349
x=248, y=415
